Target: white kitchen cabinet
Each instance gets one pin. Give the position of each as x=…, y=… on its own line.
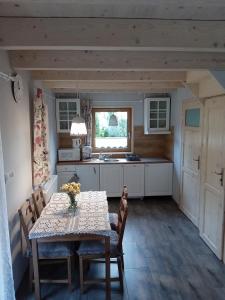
x=111, y=179
x=158, y=179
x=133, y=178
x=156, y=115
x=88, y=176
x=66, y=110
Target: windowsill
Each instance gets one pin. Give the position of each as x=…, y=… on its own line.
x=111, y=153
x=158, y=132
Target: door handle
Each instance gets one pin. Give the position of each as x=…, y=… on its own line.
x=198, y=160
x=221, y=174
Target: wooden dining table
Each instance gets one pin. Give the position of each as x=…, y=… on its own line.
x=59, y=224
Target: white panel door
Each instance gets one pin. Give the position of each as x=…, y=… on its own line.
x=212, y=189
x=158, y=179
x=190, y=192
x=88, y=177
x=133, y=178
x=111, y=179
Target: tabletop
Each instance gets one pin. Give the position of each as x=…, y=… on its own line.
x=90, y=216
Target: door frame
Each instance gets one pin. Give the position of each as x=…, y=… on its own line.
x=203, y=171
x=191, y=104
x=7, y=290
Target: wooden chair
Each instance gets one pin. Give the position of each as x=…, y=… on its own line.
x=46, y=251
x=113, y=217
x=39, y=201
x=94, y=250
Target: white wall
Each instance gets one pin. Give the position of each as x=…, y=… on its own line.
x=177, y=99
x=16, y=142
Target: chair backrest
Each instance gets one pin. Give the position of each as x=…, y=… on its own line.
x=122, y=218
x=27, y=220
x=39, y=201
x=125, y=192
x=124, y=195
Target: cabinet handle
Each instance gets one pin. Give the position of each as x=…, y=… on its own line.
x=221, y=174
x=198, y=160
x=94, y=170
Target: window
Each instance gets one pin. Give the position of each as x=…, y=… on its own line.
x=108, y=138
x=192, y=117
x=66, y=110
x=156, y=115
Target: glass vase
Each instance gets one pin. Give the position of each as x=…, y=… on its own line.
x=73, y=202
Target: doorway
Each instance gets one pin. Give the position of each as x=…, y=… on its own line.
x=191, y=160
x=212, y=182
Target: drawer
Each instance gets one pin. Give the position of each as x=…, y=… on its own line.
x=65, y=168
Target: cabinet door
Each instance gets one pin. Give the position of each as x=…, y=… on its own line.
x=156, y=115
x=158, y=179
x=133, y=177
x=66, y=110
x=88, y=177
x=111, y=179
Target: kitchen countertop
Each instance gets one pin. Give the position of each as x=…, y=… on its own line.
x=116, y=161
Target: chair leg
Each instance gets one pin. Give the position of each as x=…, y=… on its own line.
x=119, y=264
x=122, y=262
x=31, y=274
x=81, y=274
x=69, y=268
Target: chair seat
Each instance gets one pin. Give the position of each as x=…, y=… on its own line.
x=98, y=248
x=51, y=250
x=113, y=220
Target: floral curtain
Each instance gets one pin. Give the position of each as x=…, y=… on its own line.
x=40, y=145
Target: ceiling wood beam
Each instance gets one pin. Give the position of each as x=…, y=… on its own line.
x=111, y=34
x=109, y=85
x=115, y=90
x=109, y=75
x=159, y=9
x=115, y=60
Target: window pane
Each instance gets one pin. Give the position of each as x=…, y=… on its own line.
x=72, y=106
x=63, y=125
x=111, y=136
x=71, y=115
x=192, y=117
x=153, y=124
x=162, y=123
x=63, y=115
x=62, y=105
x=162, y=104
x=153, y=115
x=162, y=115
x=153, y=104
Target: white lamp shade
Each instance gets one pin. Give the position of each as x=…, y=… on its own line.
x=78, y=127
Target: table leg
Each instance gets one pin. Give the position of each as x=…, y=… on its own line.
x=36, y=270
x=107, y=269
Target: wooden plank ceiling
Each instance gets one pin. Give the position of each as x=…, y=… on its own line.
x=120, y=45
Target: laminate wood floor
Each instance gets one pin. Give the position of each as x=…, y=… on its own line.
x=165, y=259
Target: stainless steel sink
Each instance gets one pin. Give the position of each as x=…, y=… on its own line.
x=110, y=159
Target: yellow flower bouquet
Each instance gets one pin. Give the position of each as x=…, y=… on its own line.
x=72, y=189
